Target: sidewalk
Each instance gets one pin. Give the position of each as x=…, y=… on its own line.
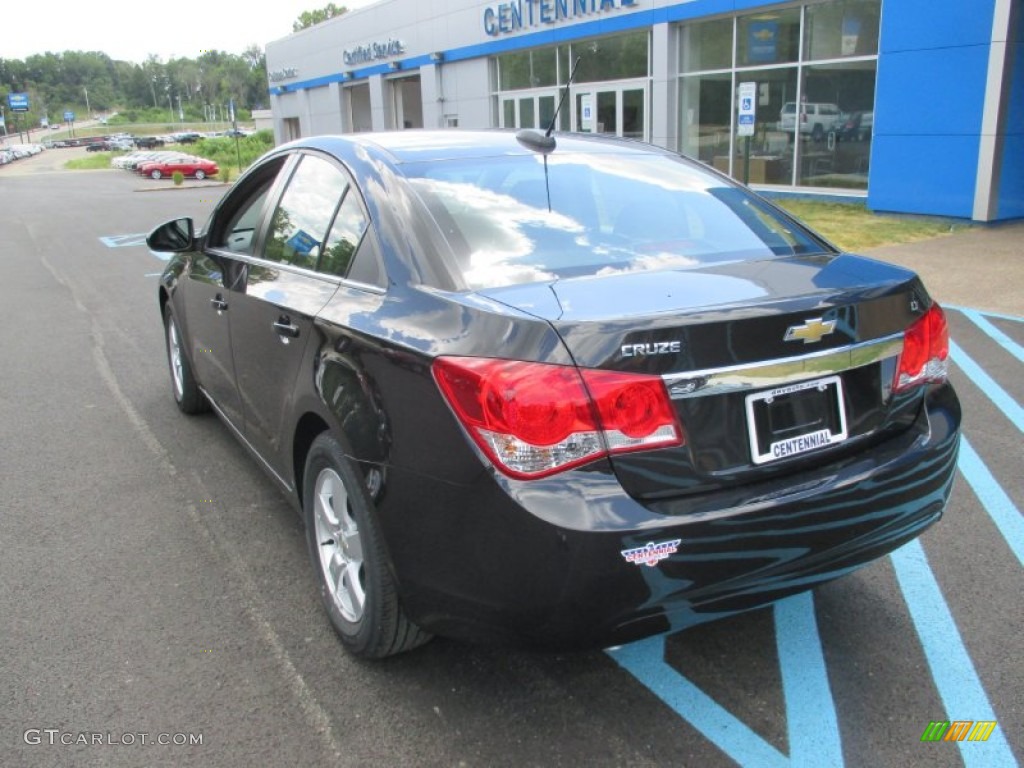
x=982, y=268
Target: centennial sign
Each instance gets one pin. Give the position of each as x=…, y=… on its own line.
x=516, y=15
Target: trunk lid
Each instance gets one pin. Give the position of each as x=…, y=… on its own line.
x=735, y=344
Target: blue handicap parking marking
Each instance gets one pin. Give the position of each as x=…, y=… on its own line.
x=134, y=240
x=950, y=664
x=810, y=711
x=124, y=241
x=812, y=725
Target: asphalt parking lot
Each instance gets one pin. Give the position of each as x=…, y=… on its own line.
x=155, y=587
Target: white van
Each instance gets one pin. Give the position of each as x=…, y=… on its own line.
x=816, y=118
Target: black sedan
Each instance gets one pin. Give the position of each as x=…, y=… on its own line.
x=565, y=393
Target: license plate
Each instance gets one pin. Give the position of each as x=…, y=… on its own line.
x=795, y=419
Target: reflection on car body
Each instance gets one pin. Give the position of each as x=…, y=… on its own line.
x=568, y=397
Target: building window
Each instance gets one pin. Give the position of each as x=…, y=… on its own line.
x=620, y=57
x=813, y=69
x=527, y=69
x=840, y=29
x=768, y=38
x=706, y=45
x=610, y=90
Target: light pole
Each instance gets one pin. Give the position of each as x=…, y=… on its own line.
x=88, y=110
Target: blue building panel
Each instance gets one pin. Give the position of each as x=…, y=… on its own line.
x=929, y=105
x=921, y=24
x=1011, y=182
x=931, y=92
x=933, y=175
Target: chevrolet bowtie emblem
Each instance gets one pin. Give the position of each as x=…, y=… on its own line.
x=810, y=331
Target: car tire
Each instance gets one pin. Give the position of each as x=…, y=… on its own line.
x=200, y=174
x=818, y=133
x=349, y=557
x=187, y=395
x=155, y=174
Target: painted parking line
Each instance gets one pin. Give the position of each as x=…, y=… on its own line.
x=987, y=385
x=129, y=241
x=994, y=333
x=993, y=498
x=951, y=667
x=124, y=241
x=812, y=725
x=987, y=313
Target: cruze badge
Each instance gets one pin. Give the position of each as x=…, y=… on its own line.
x=810, y=331
x=651, y=554
x=651, y=348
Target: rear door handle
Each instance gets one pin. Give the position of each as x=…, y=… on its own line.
x=285, y=329
x=218, y=303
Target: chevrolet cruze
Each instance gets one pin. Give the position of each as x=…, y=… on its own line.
x=565, y=391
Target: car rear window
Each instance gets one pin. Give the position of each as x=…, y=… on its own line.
x=521, y=219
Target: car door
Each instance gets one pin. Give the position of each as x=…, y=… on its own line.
x=216, y=279
x=272, y=322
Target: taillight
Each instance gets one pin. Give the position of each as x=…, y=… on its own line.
x=925, y=356
x=535, y=419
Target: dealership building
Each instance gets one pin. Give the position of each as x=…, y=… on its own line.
x=916, y=106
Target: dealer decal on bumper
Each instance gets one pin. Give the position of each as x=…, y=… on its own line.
x=651, y=554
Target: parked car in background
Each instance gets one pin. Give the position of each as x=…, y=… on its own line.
x=816, y=118
x=148, y=142
x=196, y=167
x=24, y=150
x=131, y=159
x=856, y=126
x=566, y=391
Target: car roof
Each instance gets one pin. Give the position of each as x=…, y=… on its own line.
x=424, y=145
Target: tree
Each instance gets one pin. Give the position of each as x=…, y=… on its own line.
x=59, y=81
x=255, y=57
x=309, y=18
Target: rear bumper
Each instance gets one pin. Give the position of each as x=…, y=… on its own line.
x=542, y=562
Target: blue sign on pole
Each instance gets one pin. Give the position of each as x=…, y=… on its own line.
x=18, y=102
x=69, y=116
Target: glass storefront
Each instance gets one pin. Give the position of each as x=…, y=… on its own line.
x=813, y=73
x=609, y=94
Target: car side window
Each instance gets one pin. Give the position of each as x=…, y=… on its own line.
x=240, y=233
x=235, y=226
x=346, y=232
x=299, y=224
x=367, y=267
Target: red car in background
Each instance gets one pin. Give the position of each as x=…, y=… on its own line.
x=189, y=166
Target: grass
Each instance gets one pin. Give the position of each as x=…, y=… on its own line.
x=90, y=162
x=854, y=228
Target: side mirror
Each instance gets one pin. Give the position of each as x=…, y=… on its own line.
x=175, y=236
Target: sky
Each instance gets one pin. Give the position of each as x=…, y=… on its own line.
x=130, y=30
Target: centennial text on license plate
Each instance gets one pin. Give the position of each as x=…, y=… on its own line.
x=791, y=420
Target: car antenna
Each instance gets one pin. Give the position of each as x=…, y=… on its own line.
x=545, y=143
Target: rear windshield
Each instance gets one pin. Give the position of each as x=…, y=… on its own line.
x=520, y=219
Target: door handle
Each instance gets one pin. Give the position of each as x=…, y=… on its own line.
x=285, y=329
x=218, y=303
